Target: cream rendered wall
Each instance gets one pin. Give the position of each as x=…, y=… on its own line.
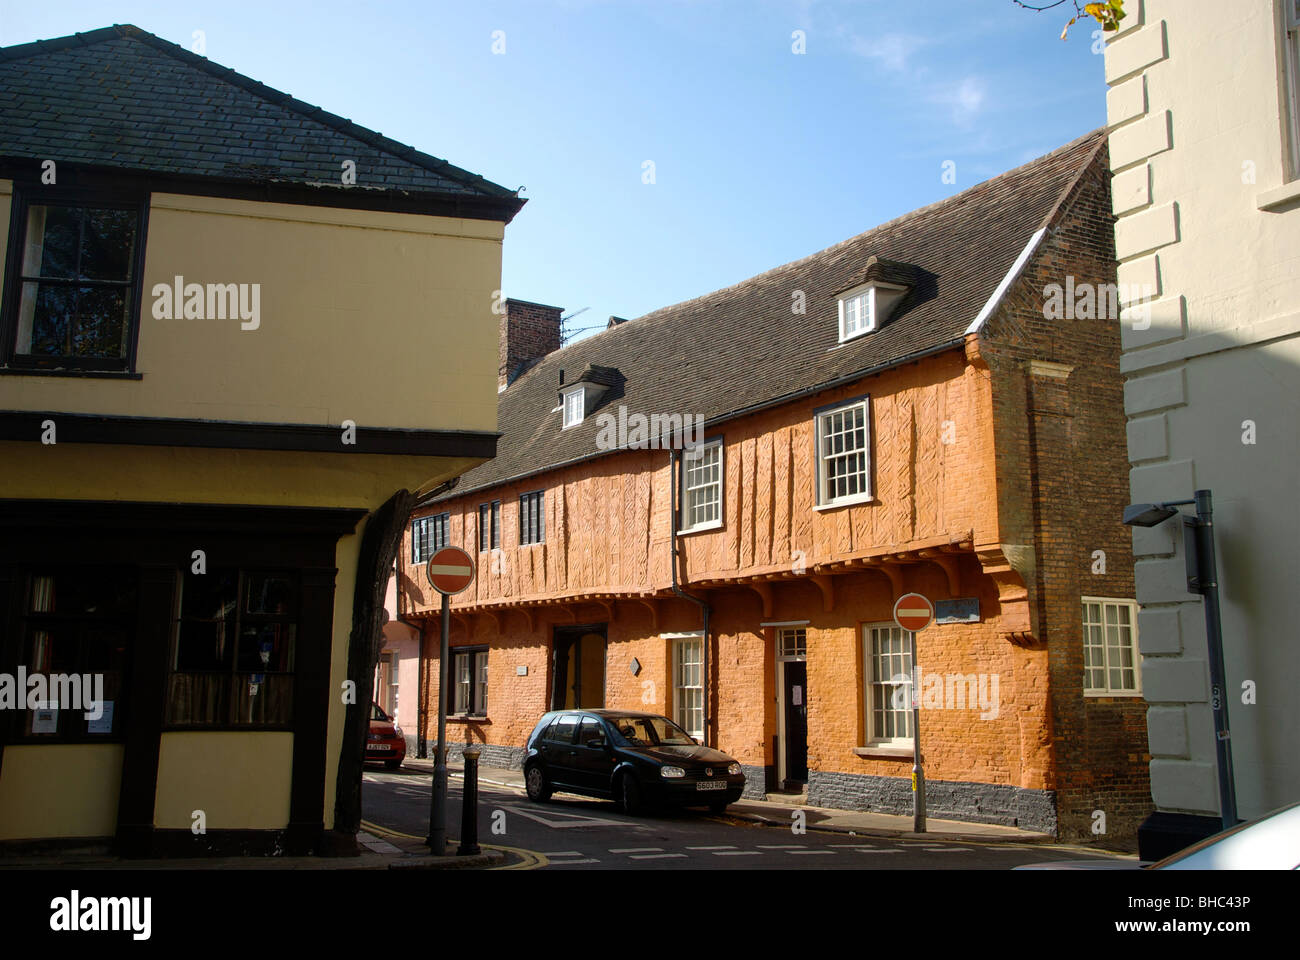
x=381, y=318
x=60, y=790
x=240, y=780
x=1209, y=223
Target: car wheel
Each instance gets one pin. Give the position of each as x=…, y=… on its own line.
x=392, y=764
x=539, y=788
x=629, y=795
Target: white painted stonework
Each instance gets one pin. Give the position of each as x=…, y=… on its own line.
x=1209, y=216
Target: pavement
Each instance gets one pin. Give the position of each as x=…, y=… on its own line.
x=771, y=812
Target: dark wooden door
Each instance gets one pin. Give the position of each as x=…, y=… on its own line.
x=796, y=721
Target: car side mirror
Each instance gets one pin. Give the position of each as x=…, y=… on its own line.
x=596, y=743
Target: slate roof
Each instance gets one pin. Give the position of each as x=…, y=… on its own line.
x=743, y=347
x=122, y=97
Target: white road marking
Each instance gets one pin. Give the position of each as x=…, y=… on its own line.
x=738, y=853
x=727, y=846
x=811, y=852
x=781, y=846
x=635, y=849
x=945, y=849
x=560, y=853
x=561, y=863
x=571, y=819
x=656, y=856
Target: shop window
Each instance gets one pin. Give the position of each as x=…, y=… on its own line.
x=74, y=642
x=233, y=650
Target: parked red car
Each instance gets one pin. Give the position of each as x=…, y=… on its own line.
x=385, y=742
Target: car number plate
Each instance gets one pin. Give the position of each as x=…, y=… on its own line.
x=381, y=746
x=711, y=785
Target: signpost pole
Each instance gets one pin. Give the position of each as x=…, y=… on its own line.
x=918, y=772
x=438, y=804
x=450, y=570
x=912, y=614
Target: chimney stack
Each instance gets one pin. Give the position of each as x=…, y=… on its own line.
x=529, y=331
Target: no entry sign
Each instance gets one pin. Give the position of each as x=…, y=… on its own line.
x=450, y=570
x=913, y=612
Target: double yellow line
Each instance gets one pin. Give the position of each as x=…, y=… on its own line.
x=528, y=859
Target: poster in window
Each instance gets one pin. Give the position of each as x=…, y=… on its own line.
x=104, y=722
x=45, y=719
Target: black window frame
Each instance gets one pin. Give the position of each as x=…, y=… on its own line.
x=532, y=518
x=244, y=572
x=26, y=195
x=429, y=534
x=13, y=653
x=492, y=528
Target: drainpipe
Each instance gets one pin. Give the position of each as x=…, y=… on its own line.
x=673, y=462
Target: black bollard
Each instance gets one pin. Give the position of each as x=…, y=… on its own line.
x=469, y=808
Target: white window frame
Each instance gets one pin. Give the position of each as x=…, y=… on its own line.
x=863, y=302
x=687, y=504
x=682, y=709
x=875, y=736
x=1291, y=76
x=470, y=682
x=571, y=416
x=1107, y=690
x=824, y=500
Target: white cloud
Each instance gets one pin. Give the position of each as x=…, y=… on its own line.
x=965, y=100
x=891, y=50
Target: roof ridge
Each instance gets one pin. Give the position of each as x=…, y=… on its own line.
x=1099, y=133
x=276, y=97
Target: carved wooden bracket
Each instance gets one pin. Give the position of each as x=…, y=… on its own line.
x=764, y=590
x=653, y=607
x=530, y=617
x=948, y=563
x=825, y=583
x=895, y=574
x=495, y=616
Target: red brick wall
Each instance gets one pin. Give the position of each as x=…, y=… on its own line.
x=1063, y=484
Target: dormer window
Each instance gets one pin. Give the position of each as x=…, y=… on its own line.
x=866, y=306
x=585, y=393
x=856, y=316
x=574, y=406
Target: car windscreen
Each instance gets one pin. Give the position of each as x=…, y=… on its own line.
x=650, y=732
x=376, y=713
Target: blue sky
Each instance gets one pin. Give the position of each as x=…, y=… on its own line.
x=761, y=155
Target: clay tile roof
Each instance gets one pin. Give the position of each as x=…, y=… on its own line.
x=122, y=97
x=743, y=347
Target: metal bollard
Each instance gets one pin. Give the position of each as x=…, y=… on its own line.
x=469, y=808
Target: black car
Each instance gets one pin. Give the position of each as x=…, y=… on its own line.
x=635, y=759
